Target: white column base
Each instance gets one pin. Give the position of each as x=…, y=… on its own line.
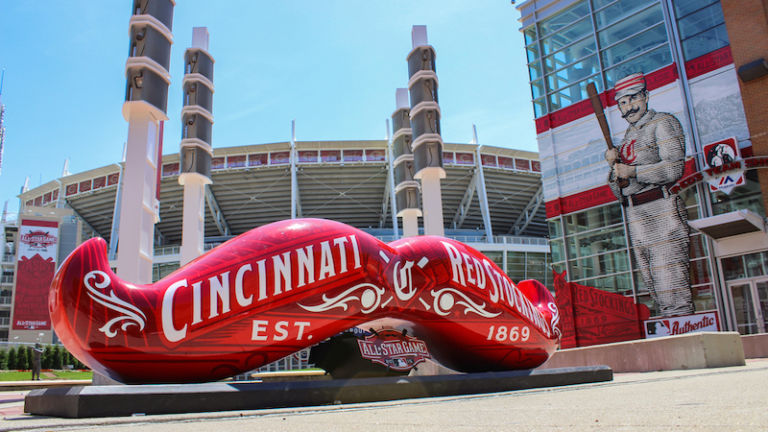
x=432, y=201
x=137, y=206
x=410, y=222
x=193, y=219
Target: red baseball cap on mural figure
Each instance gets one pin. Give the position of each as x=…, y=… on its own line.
x=629, y=85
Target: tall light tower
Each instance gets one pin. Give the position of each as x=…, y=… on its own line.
x=146, y=97
x=427, y=143
x=406, y=189
x=2, y=116
x=196, y=149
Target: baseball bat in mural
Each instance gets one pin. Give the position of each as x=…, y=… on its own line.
x=285, y=286
x=597, y=107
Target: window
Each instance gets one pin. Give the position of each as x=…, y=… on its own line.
x=638, y=43
x=563, y=19
x=701, y=25
x=616, y=11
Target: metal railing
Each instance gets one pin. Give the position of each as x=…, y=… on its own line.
x=498, y=239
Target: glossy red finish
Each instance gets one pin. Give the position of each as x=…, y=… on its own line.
x=285, y=286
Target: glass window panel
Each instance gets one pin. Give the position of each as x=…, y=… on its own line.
x=565, y=37
x=743, y=308
x=593, y=218
x=556, y=248
x=555, y=229
x=598, y=265
x=703, y=298
x=573, y=94
x=635, y=45
x=532, y=52
x=615, y=283
x=577, y=71
x=705, y=42
x=578, y=50
x=684, y=7
x=537, y=88
x=596, y=242
x=617, y=10
x=534, y=70
x=496, y=257
x=700, y=273
x=701, y=20
x=733, y=268
x=646, y=63
x=756, y=264
x=539, y=107
x=563, y=19
x=743, y=197
x=530, y=34
x=597, y=4
x=698, y=248
x=537, y=266
x=630, y=26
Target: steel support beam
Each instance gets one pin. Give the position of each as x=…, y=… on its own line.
x=466, y=203
x=526, y=216
x=216, y=213
x=481, y=193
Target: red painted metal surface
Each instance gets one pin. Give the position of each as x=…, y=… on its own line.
x=285, y=286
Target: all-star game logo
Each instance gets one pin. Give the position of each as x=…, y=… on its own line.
x=394, y=349
x=38, y=239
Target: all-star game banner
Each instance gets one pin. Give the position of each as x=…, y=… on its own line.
x=38, y=247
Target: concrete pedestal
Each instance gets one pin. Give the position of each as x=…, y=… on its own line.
x=109, y=401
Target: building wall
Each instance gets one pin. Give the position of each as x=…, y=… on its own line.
x=684, y=50
x=747, y=23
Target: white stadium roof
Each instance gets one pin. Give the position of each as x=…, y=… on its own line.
x=340, y=180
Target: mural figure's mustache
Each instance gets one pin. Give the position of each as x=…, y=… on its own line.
x=630, y=112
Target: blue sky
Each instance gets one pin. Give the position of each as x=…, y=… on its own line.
x=331, y=65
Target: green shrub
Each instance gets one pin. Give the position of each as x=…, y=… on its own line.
x=3, y=360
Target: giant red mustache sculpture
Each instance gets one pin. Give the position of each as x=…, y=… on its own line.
x=285, y=286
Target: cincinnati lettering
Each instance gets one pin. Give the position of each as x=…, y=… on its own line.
x=473, y=273
x=257, y=282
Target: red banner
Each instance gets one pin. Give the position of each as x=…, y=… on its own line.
x=590, y=316
x=38, y=246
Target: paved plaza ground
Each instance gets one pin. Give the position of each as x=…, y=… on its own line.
x=721, y=399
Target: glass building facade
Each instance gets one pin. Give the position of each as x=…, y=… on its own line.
x=682, y=45
x=601, y=41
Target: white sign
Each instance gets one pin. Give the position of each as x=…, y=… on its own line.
x=671, y=326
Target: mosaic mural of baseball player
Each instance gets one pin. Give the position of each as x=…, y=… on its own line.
x=648, y=161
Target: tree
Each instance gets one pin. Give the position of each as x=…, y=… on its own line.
x=58, y=360
x=22, y=359
x=47, y=361
x=12, y=363
x=3, y=359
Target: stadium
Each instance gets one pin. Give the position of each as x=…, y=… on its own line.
x=491, y=200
